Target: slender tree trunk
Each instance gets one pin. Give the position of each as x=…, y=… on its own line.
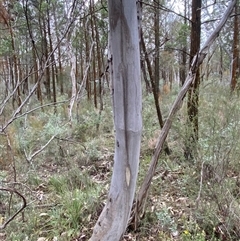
x=157, y=47
x=36, y=75
x=127, y=107
x=15, y=68
x=221, y=63
x=88, y=80
x=144, y=72
x=100, y=68
x=94, y=55
x=183, y=65
x=193, y=94
x=52, y=59
x=155, y=94
x=59, y=70
x=235, y=58
x=47, y=82
x=142, y=61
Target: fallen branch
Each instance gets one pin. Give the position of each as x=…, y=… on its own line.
x=138, y=207
x=19, y=210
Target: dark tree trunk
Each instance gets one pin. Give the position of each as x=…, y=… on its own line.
x=157, y=48
x=235, y=58
x=183, y=60
x=193, y=93
x=155, y=94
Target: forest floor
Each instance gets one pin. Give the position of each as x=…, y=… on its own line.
x=66, y=184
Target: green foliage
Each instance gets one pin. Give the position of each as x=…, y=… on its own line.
x=5, y=46
x=71, y=174
x=183, y=32
x=72, y=180
x=35, y=132
x=73, y=198
x=165, y=220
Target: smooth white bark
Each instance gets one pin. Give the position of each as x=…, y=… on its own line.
x=127, y=108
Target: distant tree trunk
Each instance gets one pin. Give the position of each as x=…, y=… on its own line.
x=127, y=107
x=15, y=69
x=221, y=63
x=72, y=58
x=144, y=72
x=59, y=70
x=88, y=80
x=94, y=55
x=36, y=75
x=183, y=63
x=235, y=57
x=170, y=78
x=155, y=94
x=193, y=93
x=157, y=48
x=45, y=51
x=142, y=55
x=52, y=58
x=100, y=65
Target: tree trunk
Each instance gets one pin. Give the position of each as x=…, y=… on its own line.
x=53, y=64
x=235, y=57
x=59, y=70
x=47, y=81
x=94, y=55
x=87, y=40
x=193, y=94
x=184, y=50
x=157, y=49
x=155, y=94
x=127, y=108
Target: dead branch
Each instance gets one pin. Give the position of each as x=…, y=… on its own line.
x=19, y=210
x=30, y=157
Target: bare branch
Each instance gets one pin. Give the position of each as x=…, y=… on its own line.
x=40, y=107
x=19, y=210
x=166, y=10
x=29, y=158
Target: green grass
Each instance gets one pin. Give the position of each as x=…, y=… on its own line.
x=66, y=184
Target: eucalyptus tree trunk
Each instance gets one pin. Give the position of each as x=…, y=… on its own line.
x=94, y=54
x=87, y=51
x=183, y=70
x=155, y=93
x=127, y=108
x=157, y=48
x=235, y=58
x=53, y=64
x=45, y=50
x=99, y=64
x=193, y=93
